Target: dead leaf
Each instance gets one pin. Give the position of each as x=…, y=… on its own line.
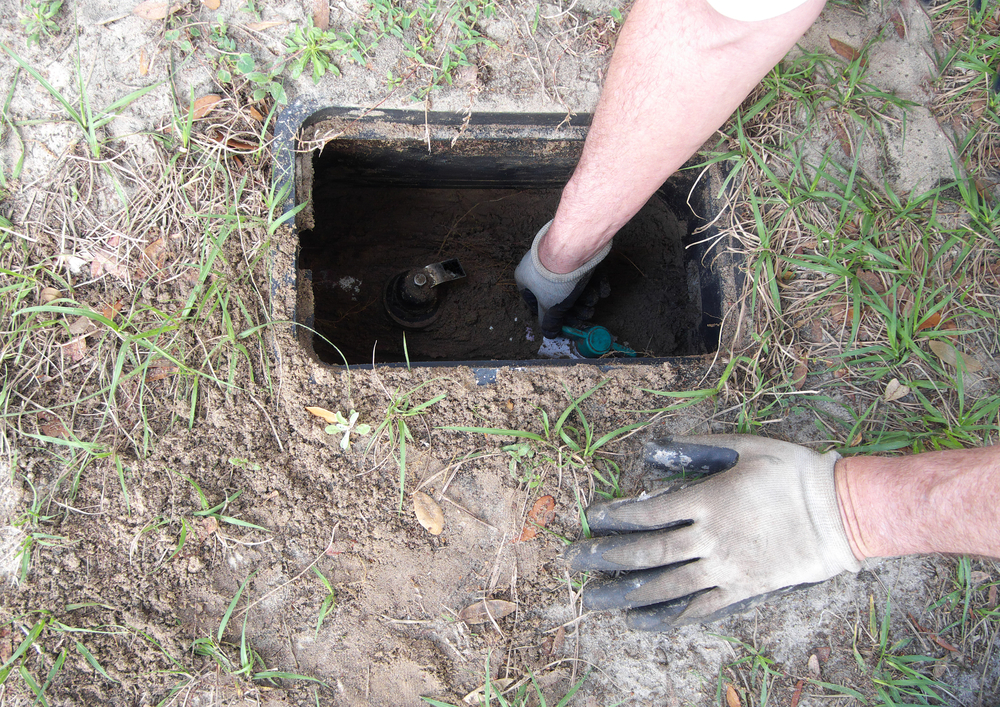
x=53, y=427
x=842, y=137
x=898, y=24
x=143, y=62
x=83, y=325
x=558, y=641
x=155, y=9
x=732, y=697
x=799, y=375
x=75, y=348
x=845, y=50
x=951, y=356
x=931, y=322
x=823, y=653
x=481, y=611
x=428, y=513
x=813, y=666
x=261, y=26
x=49, y=294
x=105, y=262
x=110, y=311
x=211, y=4
x=160, y=370
x=255, y=114
x=156, y=252
x=330, y=417
x=207, y=527
x=978, y=577
x=204, y=105
x=321, y=14
x=541, y=513
x=797, y=694
x=991, y=596
x=872, y=280
x=895, y=390
x=235, y=144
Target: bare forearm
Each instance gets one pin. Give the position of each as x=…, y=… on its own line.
x=679, y=71
x=945, y=501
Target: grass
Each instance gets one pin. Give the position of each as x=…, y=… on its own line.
x=507, y=692
x=571, y=441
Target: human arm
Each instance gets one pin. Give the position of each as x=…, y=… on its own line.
x=774, y=515
x=678, y=72
x=946, y=501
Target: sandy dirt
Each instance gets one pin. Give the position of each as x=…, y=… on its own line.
x=144, y=573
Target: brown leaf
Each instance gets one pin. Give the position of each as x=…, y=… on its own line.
x=428, y=512
x=872, y=280
x=143, y=62
x=931, y=322
x=799, y=375
x=110, y=311
x=541, y=513
x=52, y=427
x=978, y=577
x=211, y=4
x=898, y=24
x=951, y=356
x=797, y=694
x=255, y=114
x=75, y=348
x=842, y=137
x=732, y=697
x=156, y=252
x=261, y=26
x=324, y=413
x=204, y=105
x=82, y=325
x=321, y=14
x=991, y=596
x=823, y=653
x=160, y=370
x=49, y=294
x=155, y=9
x=845, y=50
x=813, y=666
x=895, y=390
x=481, y=611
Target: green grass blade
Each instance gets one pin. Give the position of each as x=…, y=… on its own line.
x=232, y=606
x=93, y=661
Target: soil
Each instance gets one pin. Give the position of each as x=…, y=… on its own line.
x=365, y=236
x=133, y=568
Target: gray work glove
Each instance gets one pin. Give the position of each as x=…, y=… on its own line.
x=552, y=294
x=769, y=522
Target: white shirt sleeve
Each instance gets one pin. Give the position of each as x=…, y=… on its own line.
x=753, y=10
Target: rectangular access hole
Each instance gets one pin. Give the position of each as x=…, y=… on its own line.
x=383, y=204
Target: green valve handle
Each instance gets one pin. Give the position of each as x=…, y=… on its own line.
x=595, y=342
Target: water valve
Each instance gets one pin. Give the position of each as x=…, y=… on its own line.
x=412, y=298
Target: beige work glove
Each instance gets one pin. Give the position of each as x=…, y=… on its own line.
x=550, y=294
x=764, y=521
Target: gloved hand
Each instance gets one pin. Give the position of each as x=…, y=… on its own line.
x=552, y=294
x=768, y=522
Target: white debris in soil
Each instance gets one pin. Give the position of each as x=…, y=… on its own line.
x=560, y=347
x=351, y=285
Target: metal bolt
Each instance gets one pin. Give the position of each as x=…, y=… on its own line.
x=419, y=279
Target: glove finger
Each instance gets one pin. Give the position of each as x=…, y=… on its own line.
x=634, y=551
x=657, y=617
x=646, y=587
x=658, y=511
x=681, y=454
x=529, y=299
x=718, y=604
